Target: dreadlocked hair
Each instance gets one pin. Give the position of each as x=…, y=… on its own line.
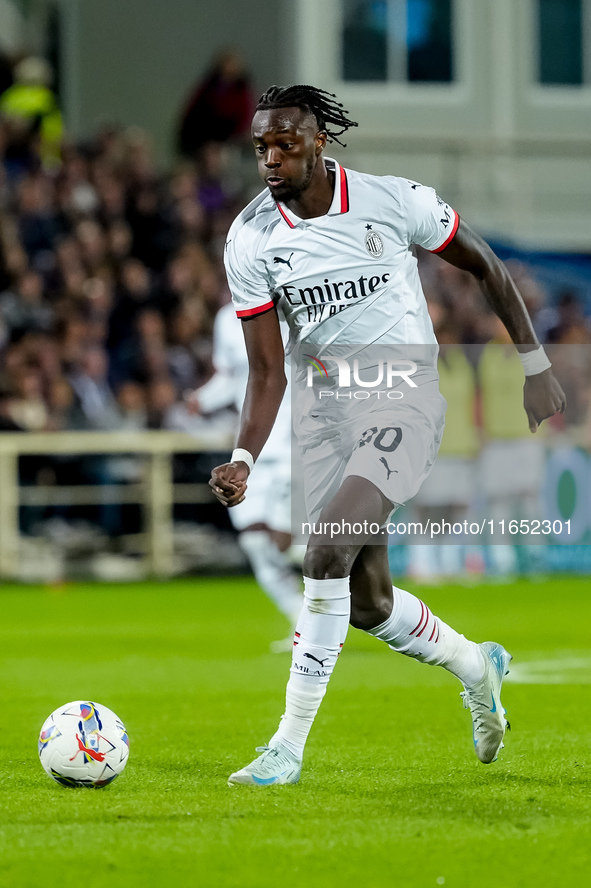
x=323, y=105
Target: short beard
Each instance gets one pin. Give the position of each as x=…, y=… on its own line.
x=293, y=192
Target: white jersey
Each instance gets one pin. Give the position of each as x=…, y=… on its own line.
x=349, y=280
x=348, y=276
x=227, y=387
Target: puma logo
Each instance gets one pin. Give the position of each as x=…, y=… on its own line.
x=312, y=657
x=388, y=469
x=277, y=259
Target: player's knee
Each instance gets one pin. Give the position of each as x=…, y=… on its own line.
x=368, y=615
x=326, y=562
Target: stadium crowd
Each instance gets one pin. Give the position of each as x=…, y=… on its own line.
x=110, y=278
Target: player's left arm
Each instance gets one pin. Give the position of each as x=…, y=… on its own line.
x=542, y=393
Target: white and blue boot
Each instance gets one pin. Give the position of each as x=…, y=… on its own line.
x=484, y=703
x=274, y=767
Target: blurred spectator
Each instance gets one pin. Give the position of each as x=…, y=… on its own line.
x=94, y=393
x=219, y=108
x=26, y=406
x=120, y=240
x=161, y=398
x=40, y=349
x=571, y=327
x=7, y=424
x=37, y=218
x=73, y=340
x=22, y=307
x=190, y=354
x=131, y=399
x=65, y=413
x=142, y=354
x=150, y=226
x=93, y=245
x=134, y=294
x=215, y=189
x=32, y=116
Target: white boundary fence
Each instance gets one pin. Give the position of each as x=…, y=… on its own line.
x=156, y=492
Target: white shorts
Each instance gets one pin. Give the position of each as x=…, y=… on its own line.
x=268, y=497
x=391, y=444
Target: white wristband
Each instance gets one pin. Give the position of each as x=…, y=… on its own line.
x=241, y=455
x=534, y=362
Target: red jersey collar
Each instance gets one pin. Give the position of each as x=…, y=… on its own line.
x=340, y=198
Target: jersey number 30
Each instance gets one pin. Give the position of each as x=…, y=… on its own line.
x=386, y=440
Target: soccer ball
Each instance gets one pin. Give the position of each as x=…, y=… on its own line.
x=83, y=744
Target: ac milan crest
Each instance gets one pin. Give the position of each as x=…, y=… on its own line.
x=374, y=244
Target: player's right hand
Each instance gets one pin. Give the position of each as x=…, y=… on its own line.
x=228, y=483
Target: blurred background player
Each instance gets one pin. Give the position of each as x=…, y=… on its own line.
x=263, y=520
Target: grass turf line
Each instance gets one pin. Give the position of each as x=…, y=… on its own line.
x=391, y=792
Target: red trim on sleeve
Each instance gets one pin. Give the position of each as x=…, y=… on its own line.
x=250, y=312
x=344, y=192
x=450, y=237
x=289, y=222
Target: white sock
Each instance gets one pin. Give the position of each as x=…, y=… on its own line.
x=273, y=572
x=320, y=634
x=414, y=631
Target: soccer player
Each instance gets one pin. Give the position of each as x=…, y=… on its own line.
x=331, y=249
x=263, y=520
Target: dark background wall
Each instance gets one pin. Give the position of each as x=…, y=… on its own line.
x=136, y=59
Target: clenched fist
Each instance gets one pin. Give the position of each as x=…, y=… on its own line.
x=228, y=482
x=542, y=398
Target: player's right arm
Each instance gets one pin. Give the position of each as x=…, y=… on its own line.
x=264, y=393
x=252, y=297
x=251, y=286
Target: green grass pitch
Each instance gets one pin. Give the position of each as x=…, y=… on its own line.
x=391, y=793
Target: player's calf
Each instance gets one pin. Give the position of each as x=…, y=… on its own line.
x=413, y=630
